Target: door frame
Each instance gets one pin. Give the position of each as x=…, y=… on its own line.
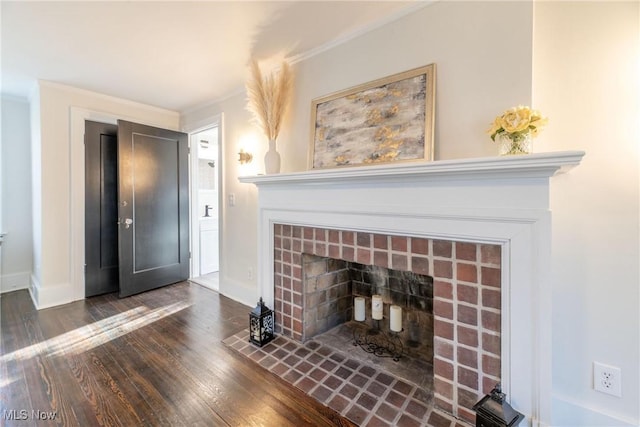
x=76, y=178
x=216, y=121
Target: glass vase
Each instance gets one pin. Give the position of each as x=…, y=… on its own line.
x=509, y=145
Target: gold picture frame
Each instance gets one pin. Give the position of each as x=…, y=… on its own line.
x=384, y=121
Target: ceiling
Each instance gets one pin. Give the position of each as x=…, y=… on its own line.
x=177, y=55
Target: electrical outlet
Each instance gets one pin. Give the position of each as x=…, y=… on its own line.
x=250, y=273
x=232, y=199
x=607, y=379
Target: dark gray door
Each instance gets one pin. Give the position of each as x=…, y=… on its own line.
x=101, y=208
x=153, y=202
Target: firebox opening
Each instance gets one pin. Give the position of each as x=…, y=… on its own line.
x=330, y=288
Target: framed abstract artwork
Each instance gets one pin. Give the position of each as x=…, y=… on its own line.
x=384, y=121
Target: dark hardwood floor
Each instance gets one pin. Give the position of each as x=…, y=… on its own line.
x=152, y=359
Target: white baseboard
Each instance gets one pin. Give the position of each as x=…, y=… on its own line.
x=51, y=295
x=14, y=282
x=567, y=412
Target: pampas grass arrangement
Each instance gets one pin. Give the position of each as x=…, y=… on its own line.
x=268, y=97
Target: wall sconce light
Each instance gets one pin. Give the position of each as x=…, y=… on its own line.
x=244, y=157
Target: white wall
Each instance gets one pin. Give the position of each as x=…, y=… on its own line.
x=57, y=152
x=473, y=85
x=16, y=194
x=586, y=80
x=464, y=39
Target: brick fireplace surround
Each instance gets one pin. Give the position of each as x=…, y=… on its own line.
x=466, y=282
x=480, y=227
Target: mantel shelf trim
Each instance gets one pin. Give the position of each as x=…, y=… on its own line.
x=540, y=165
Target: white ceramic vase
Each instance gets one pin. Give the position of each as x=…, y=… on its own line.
x=272, y=159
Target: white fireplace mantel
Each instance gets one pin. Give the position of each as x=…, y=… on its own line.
x=531, y=166
x=498, y=200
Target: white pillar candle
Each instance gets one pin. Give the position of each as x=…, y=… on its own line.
x=358, y=309
x=376, y=307
x=395, y=318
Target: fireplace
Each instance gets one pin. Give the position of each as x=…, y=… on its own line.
x=313, y=279
x=498, y=206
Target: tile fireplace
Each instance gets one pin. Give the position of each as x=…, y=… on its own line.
x=479, y=227
x=313, y=294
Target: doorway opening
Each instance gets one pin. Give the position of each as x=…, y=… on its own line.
x=205, y=206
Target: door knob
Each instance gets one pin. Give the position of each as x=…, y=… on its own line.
x=127, y=222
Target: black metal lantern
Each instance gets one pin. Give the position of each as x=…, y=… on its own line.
x=261, y=324
x=493, y=411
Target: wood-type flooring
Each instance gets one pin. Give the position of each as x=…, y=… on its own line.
x=154, y=359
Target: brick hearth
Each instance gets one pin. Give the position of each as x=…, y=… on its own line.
x=466, y=299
